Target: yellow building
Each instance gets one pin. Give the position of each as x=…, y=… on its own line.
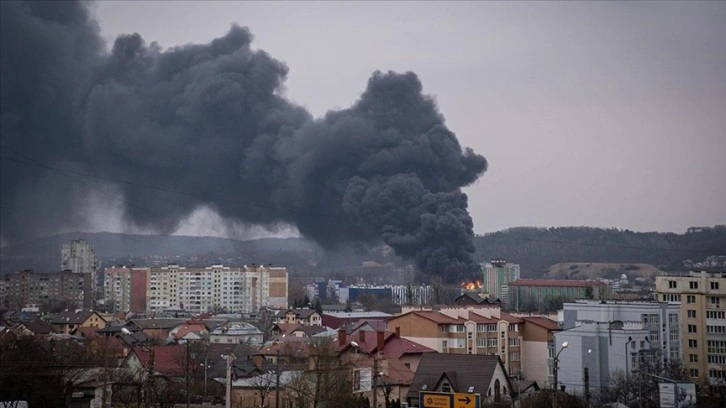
x=702, y=296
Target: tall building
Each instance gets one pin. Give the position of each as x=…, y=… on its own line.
x=125, y=289
x=78, y=256
x=48, y=291
x=497, y=276
x=702, y=298
x=216, y=288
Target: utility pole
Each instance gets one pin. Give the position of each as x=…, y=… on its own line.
x=228, y=399
x=374, y=377
x=277, y=380
x=586, y=381
x=149, y=379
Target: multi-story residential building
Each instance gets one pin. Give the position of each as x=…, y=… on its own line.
x=702, y=297
x=497, y=276
x=661, y=319
x=537, y=344
x=78, y=256
x=397, y=294
x=49, y=291
x=465, y=330
x=548, y=294
x=216, y=288
x=125, y=289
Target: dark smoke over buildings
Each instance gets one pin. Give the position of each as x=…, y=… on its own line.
x=209, y=119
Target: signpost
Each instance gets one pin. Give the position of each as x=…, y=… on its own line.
x=449, y=400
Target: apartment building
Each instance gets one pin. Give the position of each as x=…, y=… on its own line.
x=702, y=298
x=498, y=274
x=465, y=330
x=125, y=289
x=216, y=288
x=48, y=291
x=79, y=256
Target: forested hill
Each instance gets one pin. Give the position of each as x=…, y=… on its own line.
x=535, y=249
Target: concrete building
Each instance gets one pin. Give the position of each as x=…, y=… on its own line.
x=465, y=330
x=47, y=291
x=78, y=256
x=538, y=341
x=125, y=289
x=702, y=298
x=546, y=295
x=602, y=348
x=661, y=319
x=498, y=274
x=216, y=288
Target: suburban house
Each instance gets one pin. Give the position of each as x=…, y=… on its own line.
x=67, y=321
x=459, y=373
x=236, y=333
x=308, y=317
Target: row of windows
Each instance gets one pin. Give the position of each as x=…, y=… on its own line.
x=691, y=285
x=716, y=329
x=715, y=314
x=716, y=347
x=717, y=359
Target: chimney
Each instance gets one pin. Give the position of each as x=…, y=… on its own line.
x=341, y=336
x=361, y=336
x=398, y=331
x=379, y=343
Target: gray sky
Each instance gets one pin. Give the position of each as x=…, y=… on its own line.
x=589, y=113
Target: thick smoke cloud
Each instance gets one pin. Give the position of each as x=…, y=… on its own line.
x=210, y=119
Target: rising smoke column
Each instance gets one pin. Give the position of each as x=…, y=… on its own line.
x=210, y=119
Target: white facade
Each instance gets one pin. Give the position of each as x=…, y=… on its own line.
x=217, y=287
x=603, y=349
x=660, y=319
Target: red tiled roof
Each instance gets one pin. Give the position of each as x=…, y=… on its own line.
x=542, y=321
x=510, y=318
x=556, y=282
x=437, y=317
x=477, y=318
x=168, y=360
x=189, y=328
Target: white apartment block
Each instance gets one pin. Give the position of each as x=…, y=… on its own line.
x=217, y=288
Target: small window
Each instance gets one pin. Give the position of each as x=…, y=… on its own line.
x=693, y=285
x=692, y=328
x=692, y=343
x=714, y=285
x=694, y=373
x=691, y=314
x=693, y=358
x=672, y=284
x=690, y=299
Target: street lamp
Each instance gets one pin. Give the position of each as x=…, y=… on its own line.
x=555, y=367
x=627, y=378
x=586, y=378
x=230, y=363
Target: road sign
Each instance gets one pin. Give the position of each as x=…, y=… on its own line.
x=466, y=400
x=449, y=400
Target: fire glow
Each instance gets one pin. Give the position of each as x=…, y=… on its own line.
x=472, y=285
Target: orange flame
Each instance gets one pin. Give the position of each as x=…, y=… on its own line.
x=472, y=285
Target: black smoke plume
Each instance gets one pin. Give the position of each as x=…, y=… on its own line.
x=210, y=119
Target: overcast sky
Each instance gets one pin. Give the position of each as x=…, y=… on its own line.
x=589, y=113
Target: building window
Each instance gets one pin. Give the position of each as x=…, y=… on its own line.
x=714, y=285
x=672, y=284
x=715, y=300
x=692, y=343
x=692, y=328
x=693, y=372
x=514, y=356
x=693, y=285
x=693, y=358
x=690, y=299
x=691, y=314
